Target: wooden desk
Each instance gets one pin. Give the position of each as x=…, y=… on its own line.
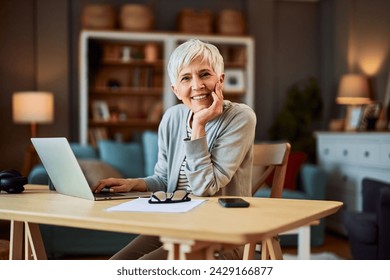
x=208, y=223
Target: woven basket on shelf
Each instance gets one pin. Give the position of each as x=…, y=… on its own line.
x=190, y=21
x=231, y=22
x=136, y=17
x=98, y=16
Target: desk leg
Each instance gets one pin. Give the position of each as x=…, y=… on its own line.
x=264, y=250
x=182, y=249
x=16, y=242
x=172, y=247
x=303, y=233
x=249, y=251
x=304, y=243
x=270, y=249
x=34, y=248
x=177, y=248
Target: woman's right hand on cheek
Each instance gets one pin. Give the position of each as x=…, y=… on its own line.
x=216, y=108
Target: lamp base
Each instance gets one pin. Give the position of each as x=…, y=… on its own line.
x=33, y=130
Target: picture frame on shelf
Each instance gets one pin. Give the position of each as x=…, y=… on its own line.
x=234, y=80
x=100, y=110
x=370, y=115
x=353, y=117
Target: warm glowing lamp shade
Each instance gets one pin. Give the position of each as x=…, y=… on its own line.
x=353, y=90
x=33, y=107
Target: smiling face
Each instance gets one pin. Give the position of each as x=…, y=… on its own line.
x=195, y=83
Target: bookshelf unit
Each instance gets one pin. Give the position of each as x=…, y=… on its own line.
x=124, y=85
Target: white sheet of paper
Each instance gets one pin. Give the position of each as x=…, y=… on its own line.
x=142, y=205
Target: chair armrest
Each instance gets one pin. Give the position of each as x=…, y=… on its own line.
x=313, y=181
x=383, y=224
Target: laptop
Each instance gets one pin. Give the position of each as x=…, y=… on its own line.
x=66, y=174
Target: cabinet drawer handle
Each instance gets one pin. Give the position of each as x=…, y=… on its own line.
x=326, y=152
x=345, y=153
x=367, y=154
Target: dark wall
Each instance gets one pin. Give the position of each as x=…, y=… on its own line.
x=34, y=56
x=16, y=71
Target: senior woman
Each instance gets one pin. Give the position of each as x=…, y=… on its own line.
x=205, y=144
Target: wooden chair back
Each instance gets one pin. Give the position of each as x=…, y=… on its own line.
x=273, y=157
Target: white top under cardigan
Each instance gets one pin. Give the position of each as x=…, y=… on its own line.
x=218, y=164
x=182, y=181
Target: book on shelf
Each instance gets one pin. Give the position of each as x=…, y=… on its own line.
x=142, y=77
x=149, y=77
x=136, y=77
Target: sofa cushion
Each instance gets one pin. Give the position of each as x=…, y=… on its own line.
x=95, y=169
x=150, y=146
x=295, y=162
x=313, y=181
x=127, y=158
x=84, y=151
x=38, y=175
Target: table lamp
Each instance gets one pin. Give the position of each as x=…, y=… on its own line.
x=33, y=107
x=354, y=92
x=353, y=89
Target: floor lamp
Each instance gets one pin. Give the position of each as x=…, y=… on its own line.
x=32, y=107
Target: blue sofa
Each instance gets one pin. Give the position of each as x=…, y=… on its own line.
x=133, y=159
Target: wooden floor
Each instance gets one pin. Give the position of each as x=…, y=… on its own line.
x=334, y=243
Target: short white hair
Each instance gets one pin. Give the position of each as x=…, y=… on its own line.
x=185, y=53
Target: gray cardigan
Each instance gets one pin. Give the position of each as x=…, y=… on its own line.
x=218, y=164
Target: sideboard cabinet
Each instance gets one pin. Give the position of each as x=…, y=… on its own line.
x=348, y=157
